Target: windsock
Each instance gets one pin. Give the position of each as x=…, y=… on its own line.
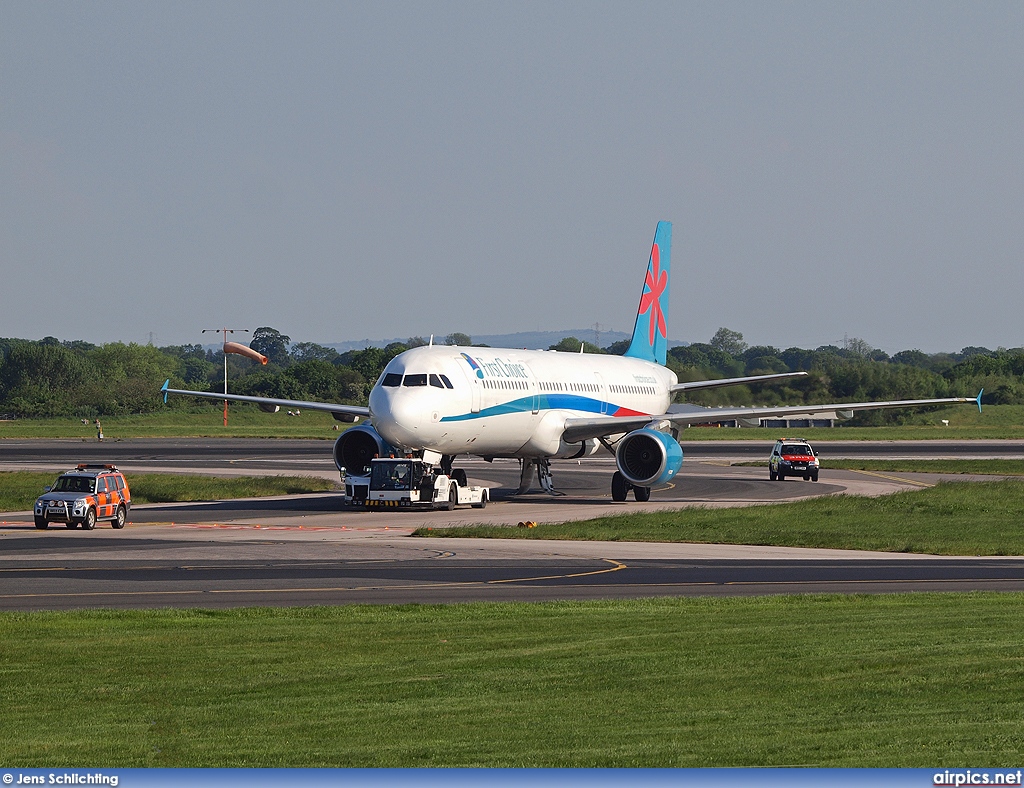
x=242, y=350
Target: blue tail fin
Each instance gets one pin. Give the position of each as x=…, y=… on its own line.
x=650, y=334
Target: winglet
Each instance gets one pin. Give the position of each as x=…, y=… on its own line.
x=164, y=389
x=978, y=399
x=650, y=333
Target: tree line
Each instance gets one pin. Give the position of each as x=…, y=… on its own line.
x=54, y=378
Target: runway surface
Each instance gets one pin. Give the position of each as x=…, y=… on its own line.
x=238, y=455
x=304, y=550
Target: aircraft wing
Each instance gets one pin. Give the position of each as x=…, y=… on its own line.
x=713, y=384
x=578, y=429
x=342, y=410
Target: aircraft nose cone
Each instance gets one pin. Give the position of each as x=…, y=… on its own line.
x=396, y=416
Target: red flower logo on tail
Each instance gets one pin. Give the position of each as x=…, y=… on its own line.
x=657, y=281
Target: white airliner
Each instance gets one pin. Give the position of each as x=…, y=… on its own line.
x=539, y=405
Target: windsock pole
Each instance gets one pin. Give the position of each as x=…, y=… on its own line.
x=233, y=347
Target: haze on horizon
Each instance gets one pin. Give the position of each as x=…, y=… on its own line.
x=339, y=171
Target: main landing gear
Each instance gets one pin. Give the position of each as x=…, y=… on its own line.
x=621, y=488
x=544, y=477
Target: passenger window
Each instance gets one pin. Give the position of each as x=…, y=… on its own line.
x=119, y=481
x=435, y=381
x=415, y=380
x=391, y=380
x=101, y=484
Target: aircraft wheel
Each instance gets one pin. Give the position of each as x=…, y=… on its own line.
x=120, y=516
x=90, y=520
x=41, y=523
x=642, y=494
x=460, y=476
x=620, y=487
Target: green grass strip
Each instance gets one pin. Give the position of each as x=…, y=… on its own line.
x=244, y=421
x=885, y=681
x=965, y=423
x=19, y=489
x=952, y=518
x=974, y=467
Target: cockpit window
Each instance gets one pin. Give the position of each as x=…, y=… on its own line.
x=415, y=380
x=447, y=383
x=392, y=379
x=435, y=381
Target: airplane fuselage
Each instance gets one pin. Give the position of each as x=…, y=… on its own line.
x=498, y=402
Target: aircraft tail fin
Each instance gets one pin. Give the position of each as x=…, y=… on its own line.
x=650, y=333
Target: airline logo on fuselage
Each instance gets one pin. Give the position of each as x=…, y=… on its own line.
x=476, y=367
x=496, y=368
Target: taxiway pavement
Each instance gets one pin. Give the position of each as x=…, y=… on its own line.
x=303, y=550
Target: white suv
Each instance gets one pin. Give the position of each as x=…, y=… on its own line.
x=793, y=457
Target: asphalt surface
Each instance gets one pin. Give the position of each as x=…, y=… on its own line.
x=305, y=550
x=234, y=455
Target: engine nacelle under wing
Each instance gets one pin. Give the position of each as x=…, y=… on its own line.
x=357, y=446
x=647, y=457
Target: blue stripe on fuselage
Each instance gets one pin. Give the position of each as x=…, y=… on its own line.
x=546, y=402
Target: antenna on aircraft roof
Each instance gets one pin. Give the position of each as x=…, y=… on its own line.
x=431, y=341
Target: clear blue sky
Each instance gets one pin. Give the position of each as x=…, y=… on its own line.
x=341, y=170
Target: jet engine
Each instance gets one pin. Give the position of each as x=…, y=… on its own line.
x=647, y=457
x=357, y=446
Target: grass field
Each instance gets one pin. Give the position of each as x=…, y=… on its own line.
x=245, y=421
x=952, y=518
x=972, y=467
x=19, y=489
x=916, y=680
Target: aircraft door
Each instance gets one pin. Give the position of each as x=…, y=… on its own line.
x=475, y=385
x=602, y=393
x=534, y=390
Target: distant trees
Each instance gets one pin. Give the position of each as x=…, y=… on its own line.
x=54, y=378
x=42, y=379
x=272, y=344
x=311, y=351
x=573, y=345
x=728, y=341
